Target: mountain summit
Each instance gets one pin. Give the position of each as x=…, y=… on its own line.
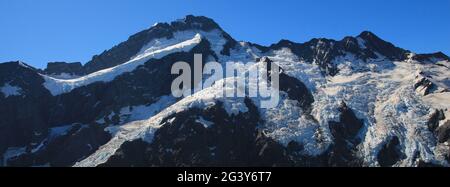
x=125, y=50
x=359, y=101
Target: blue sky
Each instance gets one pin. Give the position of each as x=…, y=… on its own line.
x=74, y=30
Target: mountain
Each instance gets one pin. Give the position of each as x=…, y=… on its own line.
x=359, y=101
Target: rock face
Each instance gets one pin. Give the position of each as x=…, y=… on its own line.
x=375, y=44
x=384, y=104
x=22, y=116
x=435, y=118
x=432, y=57
x=443, y=132
x=424, y=86
x=345, y=134
x=62, y=150
x=390, y=153
x=295, y=89
x=185, y=140
x=58, y=68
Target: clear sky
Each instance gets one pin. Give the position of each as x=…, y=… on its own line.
x=39, y=31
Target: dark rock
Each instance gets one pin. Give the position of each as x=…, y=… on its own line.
x=323, y=51
x=387, y=49
x=196, y=23
x=76, y=146
x=294, y=147
x=425, y=85
x=423, y=164
x=57, y=68
x=63, y=151
x=295, y=89
x=443, y=132
x=430, y=57
x=349, y=124
x=23, y=118
x=319, y=51
x=345, y=134
x=390, y=153
x=433, y=122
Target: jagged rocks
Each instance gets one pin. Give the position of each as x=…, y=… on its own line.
x=431, y=58
x=443, y=132
x=390, y=153
x=349, y=124
x=318, y=51
x=323, y=51
x=63, y=68
x=345, y=134
x=423, y=85
x=295, y=89
x=387, y=49
x=433, y=122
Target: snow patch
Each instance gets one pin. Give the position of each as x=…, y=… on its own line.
x=204, y=122
x=9, y=90
x=361, y=43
